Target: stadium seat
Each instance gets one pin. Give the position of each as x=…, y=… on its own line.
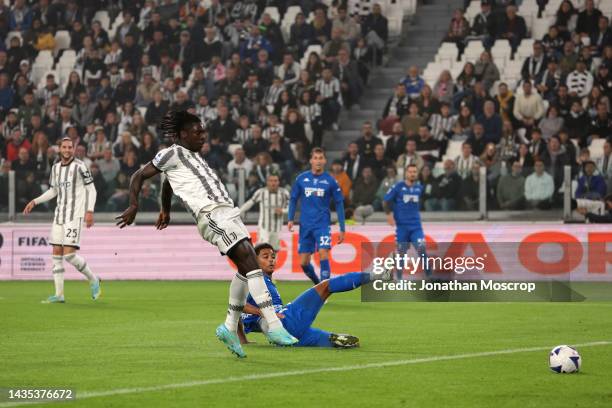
x=502, y=52
x=291, y=12
x=44, y=56
x=104, y=19
x=448, y=51
x=62, y=41
x=540, y=27
x=453, y=149
x=273, y=12
x=596, y=148
x=39, y=68
x=313, y=48
x=472, y=11
x=551, y=8
x=409, y=7
x=512, y=71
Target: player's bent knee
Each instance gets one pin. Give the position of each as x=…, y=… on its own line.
x=243, y=255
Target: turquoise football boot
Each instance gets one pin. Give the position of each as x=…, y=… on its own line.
x=230, y=340
x=96, y=289
x=54, y=299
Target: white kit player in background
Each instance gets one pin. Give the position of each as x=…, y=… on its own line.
x=273, y=206
x=218, y=221
x=71, y=182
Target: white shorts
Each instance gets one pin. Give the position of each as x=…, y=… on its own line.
x=271, y=237
x=222, y=227
x=68, y=234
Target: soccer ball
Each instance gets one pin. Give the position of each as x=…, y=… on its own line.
x=564, y=359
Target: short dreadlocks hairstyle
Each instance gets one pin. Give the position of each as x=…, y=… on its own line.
x=174, y=121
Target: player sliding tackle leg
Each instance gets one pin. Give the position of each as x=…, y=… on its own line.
x=297, y=317
x=218, y=221
x=315, y=189
x=403, y=198
x=72, y=183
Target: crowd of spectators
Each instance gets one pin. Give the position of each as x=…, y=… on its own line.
x=523, y=133
x=226, y=61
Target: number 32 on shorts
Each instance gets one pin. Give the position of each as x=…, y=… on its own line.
x=324, y=240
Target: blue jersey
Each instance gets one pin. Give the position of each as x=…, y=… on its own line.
x=251, y=321
x=405, y=201
x=316, y=193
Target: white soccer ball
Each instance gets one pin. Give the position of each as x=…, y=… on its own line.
x=564, y=359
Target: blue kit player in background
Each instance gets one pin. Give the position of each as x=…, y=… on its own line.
x=315, y=189
x=297, y=317
x=405, y=197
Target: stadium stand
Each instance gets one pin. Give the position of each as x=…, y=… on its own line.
x=271, y=79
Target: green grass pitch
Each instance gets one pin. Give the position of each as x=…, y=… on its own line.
x=160, y=336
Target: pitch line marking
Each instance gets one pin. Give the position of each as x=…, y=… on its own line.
x=263, y=376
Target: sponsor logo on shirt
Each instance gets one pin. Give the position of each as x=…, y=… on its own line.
x=317, y=192
x=410, y=198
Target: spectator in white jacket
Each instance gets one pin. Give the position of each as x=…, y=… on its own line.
x=539, y=187
x=579, y=81
x=528, y=107
x=288, y=71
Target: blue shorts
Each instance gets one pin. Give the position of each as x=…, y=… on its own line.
x=299, y=316
x=314, y=238
x=406, y=235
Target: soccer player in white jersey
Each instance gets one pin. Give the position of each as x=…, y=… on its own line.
x=218, y=221
x=273, y=206
x=71, y=182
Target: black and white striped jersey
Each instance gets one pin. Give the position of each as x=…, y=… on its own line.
x=268, y=202
x=192, y=179
x=70, y=181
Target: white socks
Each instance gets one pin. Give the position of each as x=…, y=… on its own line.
x=239, y=290
x=58, y=275
x=80, y=265
x=261, y=296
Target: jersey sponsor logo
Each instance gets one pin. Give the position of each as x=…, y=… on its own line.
x=407, y=198
x=317, y=192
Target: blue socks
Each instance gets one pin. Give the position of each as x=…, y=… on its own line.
x=349, y=281
x=325, y=270
x=310, y=272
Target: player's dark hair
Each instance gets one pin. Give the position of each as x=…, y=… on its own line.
x=175, y=121
x=317, y=150
x=262, y=246
x=411, y=165
x=65, y=139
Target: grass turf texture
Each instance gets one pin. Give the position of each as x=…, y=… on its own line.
x=142, y=334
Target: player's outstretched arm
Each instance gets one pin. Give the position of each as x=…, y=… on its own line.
x=166, y=203
x=128, y=216
x=43, y=198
